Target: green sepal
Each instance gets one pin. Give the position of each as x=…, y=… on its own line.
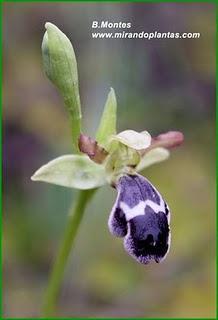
x=153, y=156
x=73, y=171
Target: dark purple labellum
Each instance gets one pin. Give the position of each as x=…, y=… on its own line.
x=141, y=216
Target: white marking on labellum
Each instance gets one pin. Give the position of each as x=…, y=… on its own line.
x=130, y=213
x=139, y=209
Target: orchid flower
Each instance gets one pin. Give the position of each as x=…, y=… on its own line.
x=139, y=214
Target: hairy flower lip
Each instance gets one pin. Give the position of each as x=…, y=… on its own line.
x=140, y=213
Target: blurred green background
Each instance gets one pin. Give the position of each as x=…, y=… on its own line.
x=161, y=85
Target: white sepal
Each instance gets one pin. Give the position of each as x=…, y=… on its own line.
x=133, y=139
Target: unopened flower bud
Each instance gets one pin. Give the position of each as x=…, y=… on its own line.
x=61, y=68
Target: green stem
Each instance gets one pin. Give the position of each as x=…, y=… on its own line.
x=57, y=273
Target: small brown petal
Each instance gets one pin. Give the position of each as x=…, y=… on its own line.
x=90, y=147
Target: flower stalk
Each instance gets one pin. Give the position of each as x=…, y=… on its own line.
x=74, y=220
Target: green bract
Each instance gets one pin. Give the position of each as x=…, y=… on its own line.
x=108, y=121
x=60, y=66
